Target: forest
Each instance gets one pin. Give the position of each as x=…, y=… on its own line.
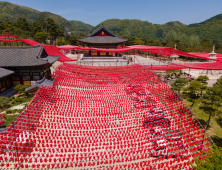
x=47, y=29
x=40, y=26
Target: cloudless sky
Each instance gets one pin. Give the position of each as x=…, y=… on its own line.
x=155, y=11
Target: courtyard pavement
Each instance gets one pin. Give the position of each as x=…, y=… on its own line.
x=213, y=75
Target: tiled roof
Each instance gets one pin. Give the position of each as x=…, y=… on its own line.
x=24, y=56
x=102, y=40
x=112, y=39
x=5, y=72
x=39, y=83
x=100, y=29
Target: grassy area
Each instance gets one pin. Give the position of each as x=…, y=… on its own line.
x=24, y=100
x=9, y=119
x=15, y=103
x=214, y=129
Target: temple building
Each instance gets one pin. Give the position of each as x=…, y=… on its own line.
x=21, y=65
x=102, y=38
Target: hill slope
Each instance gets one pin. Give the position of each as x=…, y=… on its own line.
x=10, y=12
x=140, y=28
x=210, y=29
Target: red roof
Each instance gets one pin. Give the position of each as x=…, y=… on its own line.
x=53, y=50
x=30, y=42
x=7, y=36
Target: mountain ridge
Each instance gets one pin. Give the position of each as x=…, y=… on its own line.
x=11, y=12
x=209, y=29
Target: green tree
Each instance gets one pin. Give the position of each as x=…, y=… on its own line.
x=40, y=37
x=206, y=44
x=23, y=27
x=192, y=92
x=130, y=40
x=54, y=30
x=73, y=39
x=37, y=27
x=209, y=99
x=179, y=84
x=160, y=33
x=218, y=88
x=82, y=35
x=203, y=81
x=138, y=41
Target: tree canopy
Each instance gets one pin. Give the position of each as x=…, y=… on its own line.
x=179, y=84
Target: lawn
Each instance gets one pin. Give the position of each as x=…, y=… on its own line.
x=24, y=100
x=214, y=129
x=9, y=119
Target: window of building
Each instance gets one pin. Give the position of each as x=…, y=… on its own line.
x=35, y=74
x=36, y=77
x=2, y=84
x=15, y=78
x=26, y=77
x=25, y=74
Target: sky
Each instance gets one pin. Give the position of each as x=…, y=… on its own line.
x=94, y=12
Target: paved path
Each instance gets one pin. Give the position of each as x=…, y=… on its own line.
x=119, y=62
x=143, y=61
x=8, y=93
x=21, y=106
x=146, y=61
x=212, y=78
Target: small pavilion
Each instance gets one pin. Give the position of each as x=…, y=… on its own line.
x=102, y=38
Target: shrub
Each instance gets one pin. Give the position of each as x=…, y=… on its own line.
x=13, y=97
x=4, y=102
x=21, y=88
x=18, y=99
x=19, y=110
x=16, y=110
x=8, y=111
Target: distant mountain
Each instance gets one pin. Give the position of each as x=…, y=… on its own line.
x=134, y=27
x=10, y=12
x=215, y=18
x=210, y=29
x=80, y=26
